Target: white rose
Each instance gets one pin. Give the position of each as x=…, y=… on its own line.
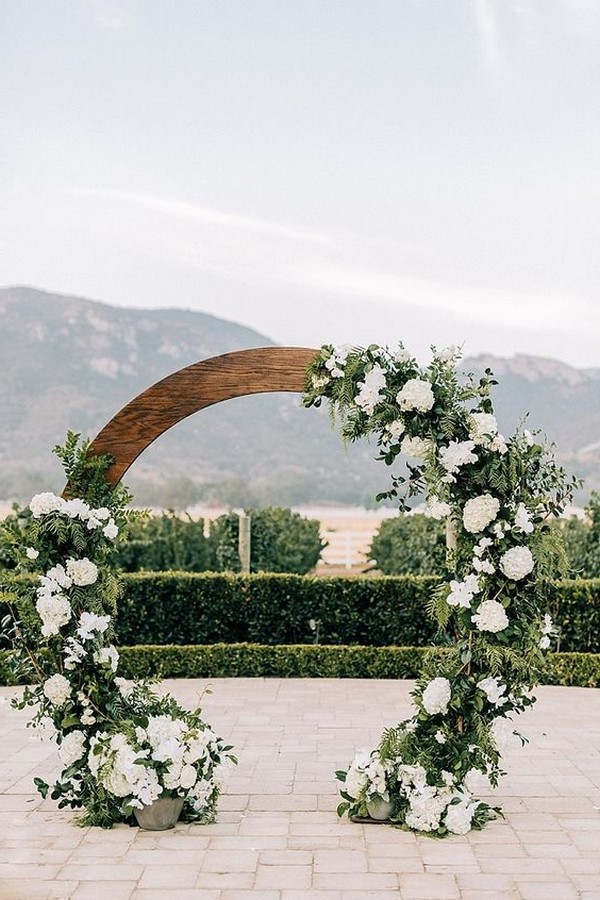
x=110, y=531
x=436, y=696
x=416, y=394
x=188, y=777
x=523, y=519
x=57, y=689
x=517, y=562
x=72, y=748
x=479, y=512
x=45, y=503
x=54, y=610
x=494, y=690
x=82, y=571
x=491, y=616
x=108, y=655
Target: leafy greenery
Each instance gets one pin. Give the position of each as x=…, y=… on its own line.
x=497, y=497
x=409, y=545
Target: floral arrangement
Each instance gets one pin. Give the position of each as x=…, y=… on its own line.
x=496, y=496
x=121, y=745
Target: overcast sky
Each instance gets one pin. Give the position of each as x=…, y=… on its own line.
x=320, y=170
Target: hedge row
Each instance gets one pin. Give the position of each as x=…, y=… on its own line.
x=205, y=608
x=189, y=608
x=306, y=661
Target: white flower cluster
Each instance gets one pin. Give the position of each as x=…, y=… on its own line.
x=57, y=689
x=47, y=502
x=523, y=519
x=366, y=776
x=72, y=748
x=491, y=616
x=479, y=512
x=457, y=454
x=430, y=806
x=52, y=604
x=494, y=690
x=118, y=764
x=370, y=390
x=548, y=630
x=436, y=508
x=336, y=362
x=393, y=431
x=462, y=592
x=436, y=696
x=517, y=562
x=415, y=446
x=416, y=394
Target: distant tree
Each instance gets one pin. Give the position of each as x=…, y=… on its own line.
x=582, y=540
x=280, y=541
x=412, y=544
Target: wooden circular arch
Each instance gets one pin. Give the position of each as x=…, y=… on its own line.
x=202, y=384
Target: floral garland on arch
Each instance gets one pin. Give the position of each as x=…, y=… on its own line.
x=497, y=496
x=122, y=745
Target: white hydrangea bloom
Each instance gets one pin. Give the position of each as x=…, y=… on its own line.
x=82, y=572
x=57, y=689
x=437, y=509
x=77, y=509
x=517, y=562
x=72, y=748
x=415, y=446
x=416, y=394
x=491, y=616
x=457, y=454
x=426, y=807
x=459, y=816
x=54, y=610
x=436, y=696
x=482, y=427
x=45, y=503
x=479, y=512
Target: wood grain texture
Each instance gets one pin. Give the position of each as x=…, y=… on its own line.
x=195, y=387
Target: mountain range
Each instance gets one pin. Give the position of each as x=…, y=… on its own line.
x=67, y=363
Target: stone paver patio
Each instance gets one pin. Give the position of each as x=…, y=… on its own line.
x=277, y=836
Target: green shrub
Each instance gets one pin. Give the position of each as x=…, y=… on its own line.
x=280, y=541
x=409, y=545
x=162, y=543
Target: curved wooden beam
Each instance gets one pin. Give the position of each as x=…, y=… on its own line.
x=185, y=392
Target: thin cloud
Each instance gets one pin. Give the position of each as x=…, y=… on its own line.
x=113, y=14
x=205, y=214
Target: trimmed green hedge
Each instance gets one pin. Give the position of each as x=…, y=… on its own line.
x=306, y=661
x=206, y=608
x=189, y=608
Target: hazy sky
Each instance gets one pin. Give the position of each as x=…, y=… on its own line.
x=321, y=170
